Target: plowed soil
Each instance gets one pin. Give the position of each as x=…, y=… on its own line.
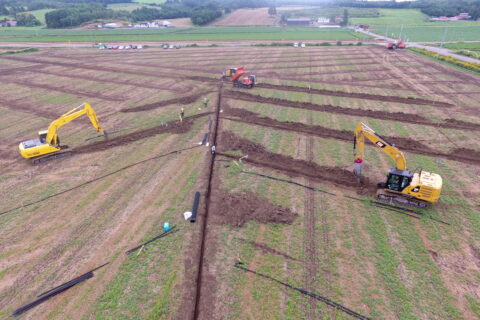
x=403, y=143
x=174, y=127
x=236, y=209
x=82, y=93
x=182, y=100
x=258, y=156
x=409, y=100
x=395, y=116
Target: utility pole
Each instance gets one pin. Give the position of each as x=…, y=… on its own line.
x=444, y=36
x=401, y=31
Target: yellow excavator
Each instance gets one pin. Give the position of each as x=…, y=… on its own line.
x=47, y=146
x=402, y=186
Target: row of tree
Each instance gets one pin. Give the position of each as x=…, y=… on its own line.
x=75, y=16
x=201, y=12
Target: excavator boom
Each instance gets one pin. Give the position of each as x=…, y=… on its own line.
x=48, y=141
x=402, y=186
x=363, y=131
x=86, y=108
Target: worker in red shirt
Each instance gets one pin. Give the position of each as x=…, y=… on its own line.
x=358, y=167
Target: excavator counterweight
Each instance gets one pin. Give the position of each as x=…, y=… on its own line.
x=47, y=146
x=402, y=186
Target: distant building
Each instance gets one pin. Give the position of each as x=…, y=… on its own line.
x=8, y=23
x=460, y=16
x=323, y=20
x=166, y=24
x=111, y=25
x=338, y=19
x=298, y=22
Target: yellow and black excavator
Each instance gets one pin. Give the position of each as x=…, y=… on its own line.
x=47, y=146
x=402, y=186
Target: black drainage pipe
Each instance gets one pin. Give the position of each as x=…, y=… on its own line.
x=196, y=202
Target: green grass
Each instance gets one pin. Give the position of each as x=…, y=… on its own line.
x=315, y=13
x=217, y=33
x=417, y=28
x=472, y=46
x=40, y=14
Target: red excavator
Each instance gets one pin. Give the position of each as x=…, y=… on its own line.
x=235, y=75
x=398, y=44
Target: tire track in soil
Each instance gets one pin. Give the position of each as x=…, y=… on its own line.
x=403, y=143
x=395, y=116
x=365, y=96
x=174, y=127
x=275, y=75
x=174, y=57
x=109, y=80
x=116, y=70
x=83, y=93
x=182, y=100
x=260, y=157
x=18, y=105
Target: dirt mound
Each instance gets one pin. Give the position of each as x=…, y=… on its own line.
x=267, y=249
x=317, y=65
x=403, y=143
x=236, y=209
x=319, y=131
x=171, y=127
x=258, y=156
x=89, y=94
x=182, y=100
x=453, y=123
x=367, y=96
x=463, y=154
x=395, y=116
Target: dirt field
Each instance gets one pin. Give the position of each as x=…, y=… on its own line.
x=285, y=233
x=251, y=17
x=247, y=17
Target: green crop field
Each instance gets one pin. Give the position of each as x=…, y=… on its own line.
x=472, y=46
x=40, y=14
x=178, y=34
x=413, y=25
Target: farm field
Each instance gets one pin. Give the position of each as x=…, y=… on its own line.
x=413, y=25
x=290, y=211
x=178, y=34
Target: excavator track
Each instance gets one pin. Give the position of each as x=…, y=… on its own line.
x=50, y=157
x=400, y=200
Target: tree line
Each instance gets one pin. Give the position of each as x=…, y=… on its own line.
x=72, y=13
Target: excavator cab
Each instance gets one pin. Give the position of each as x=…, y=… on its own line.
x=42, y=136
x=397, y=180
x=230, y=72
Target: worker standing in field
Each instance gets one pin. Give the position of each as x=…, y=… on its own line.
x=182, y=115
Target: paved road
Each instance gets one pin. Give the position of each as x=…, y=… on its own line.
x=443, y=51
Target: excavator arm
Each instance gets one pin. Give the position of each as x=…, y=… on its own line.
x=240, y=72
x=47, y=143
x=362, y=131
x=52, y=137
